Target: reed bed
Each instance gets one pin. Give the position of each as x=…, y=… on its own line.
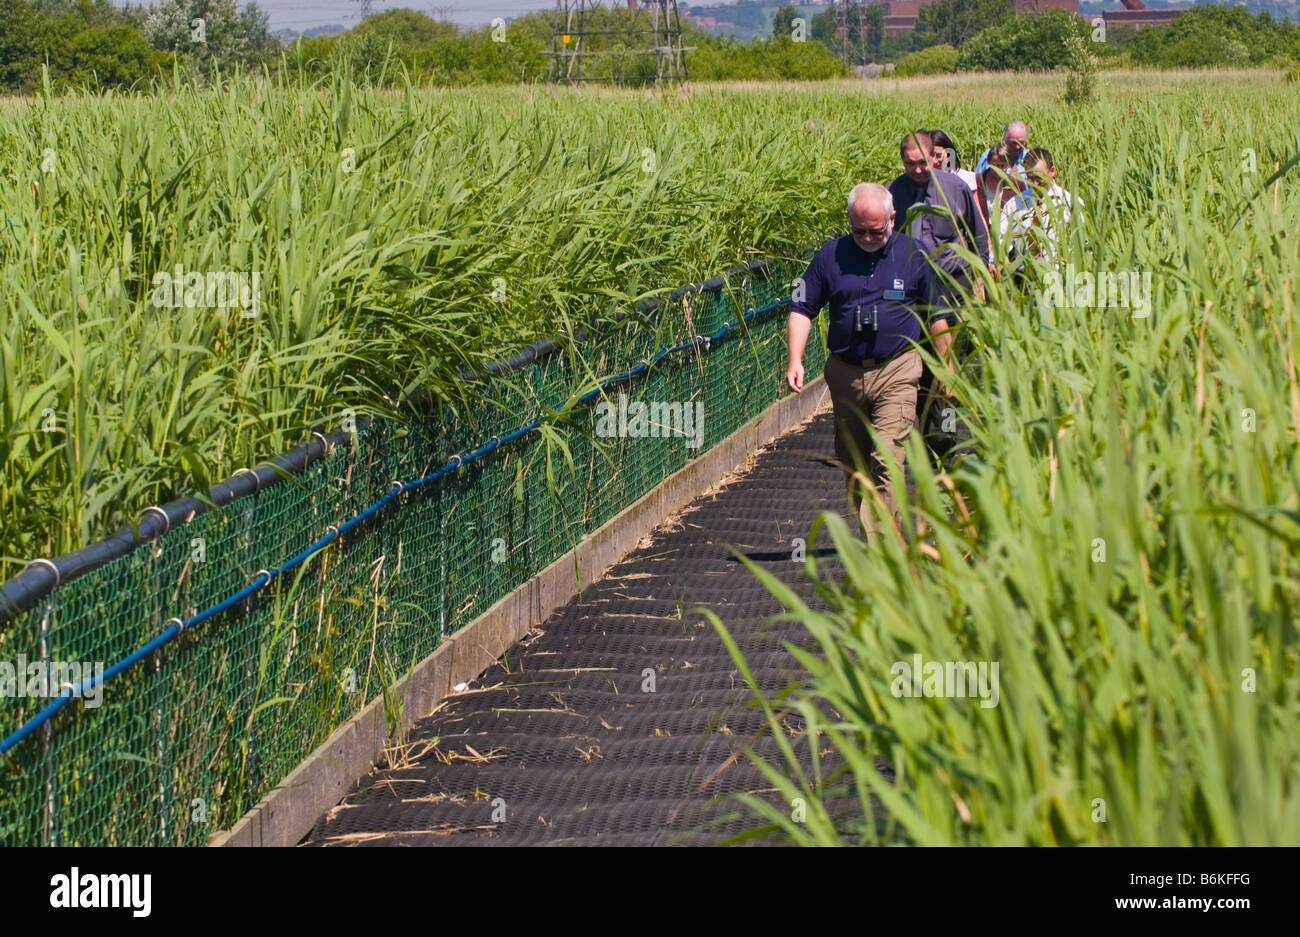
x=398, y=238
x=1121, y=542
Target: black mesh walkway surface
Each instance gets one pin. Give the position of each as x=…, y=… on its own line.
x=563, y=742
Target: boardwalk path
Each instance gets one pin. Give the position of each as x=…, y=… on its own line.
x=561, y=730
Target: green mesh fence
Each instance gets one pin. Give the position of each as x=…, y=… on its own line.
x=187, y=740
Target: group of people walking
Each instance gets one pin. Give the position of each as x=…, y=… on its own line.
x=906, y=263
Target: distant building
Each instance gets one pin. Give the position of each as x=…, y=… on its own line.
x=901, y=15
x=708, y=22
x=1139, y=18
x=1029, y=6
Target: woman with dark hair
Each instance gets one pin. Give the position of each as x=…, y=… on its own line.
x=944, y=156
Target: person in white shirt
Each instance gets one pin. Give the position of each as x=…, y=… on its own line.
x=1033, y=221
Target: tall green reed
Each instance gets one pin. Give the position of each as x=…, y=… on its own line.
x=1121, y=541
x=400, y=238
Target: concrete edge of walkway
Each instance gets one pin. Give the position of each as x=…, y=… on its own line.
x=288, y=813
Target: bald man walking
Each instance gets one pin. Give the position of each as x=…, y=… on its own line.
x=876, y=282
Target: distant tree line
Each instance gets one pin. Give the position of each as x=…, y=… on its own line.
x=97, y=45
x=1201, y=37
x=405, y=41
x=953, y=35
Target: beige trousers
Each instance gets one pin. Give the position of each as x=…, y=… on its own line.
x=886, y=399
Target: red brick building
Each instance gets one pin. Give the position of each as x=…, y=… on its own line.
x=900, y=15
x=1139, y=18
x=1028, y=6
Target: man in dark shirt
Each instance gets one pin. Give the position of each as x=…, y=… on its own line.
x=960, y=222
x=876, y=282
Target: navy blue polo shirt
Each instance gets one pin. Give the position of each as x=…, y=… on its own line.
x=896, y=281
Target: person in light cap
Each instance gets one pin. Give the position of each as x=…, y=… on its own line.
x=1016, y=137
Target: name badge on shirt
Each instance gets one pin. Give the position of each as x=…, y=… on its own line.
x=895, y=294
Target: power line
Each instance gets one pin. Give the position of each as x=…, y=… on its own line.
x=656, y=23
